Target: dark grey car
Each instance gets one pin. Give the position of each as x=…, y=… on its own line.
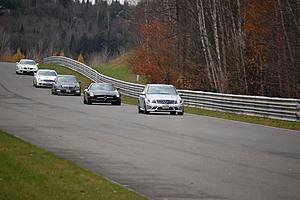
x=101, y=93
x=66, y=84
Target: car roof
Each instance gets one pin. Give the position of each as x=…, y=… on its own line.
x=27, y=60
x=101, y=83
x=159, y=84
x=65, y=75
x=50, y=70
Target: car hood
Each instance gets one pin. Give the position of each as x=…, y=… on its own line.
x=104, y=92
x=47, y=77
x=162, y=97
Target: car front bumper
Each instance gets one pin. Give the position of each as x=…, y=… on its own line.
x=154, y=107
x=105, y=99
x=68, y=91
x=27, y=71
x=44, y=83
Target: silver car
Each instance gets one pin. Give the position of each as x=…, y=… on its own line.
x=44, y=78
x=160, y=98
x=26, y=66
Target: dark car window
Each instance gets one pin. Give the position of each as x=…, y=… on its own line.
x=162, y=90
x=66, y=79
x=27, y=62
x=47, y=73
x=106, y=87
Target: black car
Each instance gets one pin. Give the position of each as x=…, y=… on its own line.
x=66, y=84
x=101, y=93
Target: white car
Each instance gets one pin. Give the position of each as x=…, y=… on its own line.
x=160, y=98
x=26, y=66
x=44, y=78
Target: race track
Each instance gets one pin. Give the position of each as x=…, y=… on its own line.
x=161, y=156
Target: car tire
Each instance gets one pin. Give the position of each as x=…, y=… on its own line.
x=180, y=113
x=139, y=109
x=89, y=102
x=54, y=93
x=145, y=109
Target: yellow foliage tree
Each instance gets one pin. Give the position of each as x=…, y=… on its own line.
x=19, y=55
x=61, y=53
x=80, y=58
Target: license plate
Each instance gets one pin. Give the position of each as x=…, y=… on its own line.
x=165, y=107
x=68, y=91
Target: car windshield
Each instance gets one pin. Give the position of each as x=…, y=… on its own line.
x=106, y=87
x=27, y=62
x=47, y=73
x=162, y=90
x=67, y=79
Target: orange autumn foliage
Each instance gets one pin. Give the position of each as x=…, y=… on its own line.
x=257, y=27
x=155, y=58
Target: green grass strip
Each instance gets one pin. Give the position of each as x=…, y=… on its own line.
x=199, y=111
x=28, y=172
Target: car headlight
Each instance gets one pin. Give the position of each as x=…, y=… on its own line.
x=154, y=101
x=117, y=94
x=91, y=94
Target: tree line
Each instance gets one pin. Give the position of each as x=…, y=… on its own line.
x=40, y=28
x=238, y=46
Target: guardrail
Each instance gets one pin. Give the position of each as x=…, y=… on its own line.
x=269, y=107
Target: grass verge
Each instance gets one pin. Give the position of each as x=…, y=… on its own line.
x=199, y=111
x=28, y=172
x=120, y=69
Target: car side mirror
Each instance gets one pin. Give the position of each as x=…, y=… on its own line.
x=86, y=87
x=180, y=94
x=79, y=82
x=142, y=94
x=118, y=89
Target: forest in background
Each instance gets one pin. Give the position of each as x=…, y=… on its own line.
x=237, y=46
x=40, y=28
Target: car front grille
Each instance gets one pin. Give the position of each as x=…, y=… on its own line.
x=68, y=87
x=105, y=97
x=48, y=80
x=166, y=101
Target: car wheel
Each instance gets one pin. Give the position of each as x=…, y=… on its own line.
x=89, y=101
x=180, y=113
x=54, y=93
x=139, y=109
x=145, y=109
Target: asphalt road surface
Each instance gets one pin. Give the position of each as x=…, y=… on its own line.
x=161, y=156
